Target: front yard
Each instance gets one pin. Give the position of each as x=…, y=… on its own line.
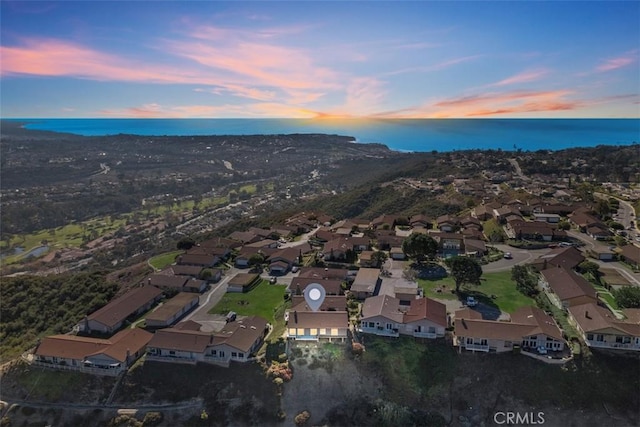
x=507, y=297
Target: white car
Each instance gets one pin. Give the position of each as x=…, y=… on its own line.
x=507, y=255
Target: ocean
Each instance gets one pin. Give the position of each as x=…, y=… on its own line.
x=410, y=135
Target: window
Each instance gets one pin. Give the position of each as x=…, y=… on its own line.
x=483, y=342
x=389, y=326
x=600, y=337
x=372, y=325
x=432, y=330
x=626, y=340
x=618, y=339
x=590, y=337
x=172, y=353
x=213, y=352
x=469, y=341
x=234, y=354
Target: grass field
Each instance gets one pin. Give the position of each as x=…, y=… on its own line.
x=161, y=261
x=508, y=298
x=263, y=300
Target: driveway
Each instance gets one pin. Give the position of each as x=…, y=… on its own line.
x=210, y=298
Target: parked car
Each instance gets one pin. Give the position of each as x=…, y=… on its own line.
x=542, y=350
x=295, y=269
x=471, y=302
x=273, y=280
x=507, y=255
x=231, y=316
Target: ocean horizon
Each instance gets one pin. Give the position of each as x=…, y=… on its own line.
x=408, y=135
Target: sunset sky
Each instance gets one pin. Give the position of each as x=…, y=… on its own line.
x=320, y=59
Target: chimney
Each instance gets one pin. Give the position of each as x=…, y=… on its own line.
x=586, y=314
x=295, y=316
x=464, y=324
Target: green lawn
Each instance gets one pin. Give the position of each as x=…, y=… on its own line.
x=508, y=298
x=263, y=300
x=161, y=261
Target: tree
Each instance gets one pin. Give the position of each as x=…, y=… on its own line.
x=564, y=225
x=590, y=267
x=255, y=260
x=525, y=280
x=628, y=297
x=464, y=270
x=378, y=258
x=419, y=246
x=185, y=243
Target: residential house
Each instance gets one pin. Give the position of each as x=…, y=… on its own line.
x=324, y=235
x=330, y=303
x=528, y=329
x=475, y=247
x=583, y=221
x=112, y=316
x=386, y=239
x=172, y=310
x=449, y=244
x=244, y=237
x=381, y=315
x=384, y=221
x=482, y=213
x=631, y=255
x=470, y=222
x=547, y=217
x=601, y=329
x=243, y=282
x=331, y=286
x=366, y=259
x=263, y=244
x=110, y=357
x=448, y=223
x=177, y=283
x=323, y=273
x=318, y=325
x=568, y=257
x=426, y=318
x=184, y=270
x=367, y=283
x=566, y=288
x=197, y=257
x=599, y=232
x=237, y=341
x=531, y=230
x=396, y=253
x=421, y=221
x=281, y=261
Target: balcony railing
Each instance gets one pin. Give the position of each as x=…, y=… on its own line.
x=476, y=347
x=425, y=335
x=380, y=332
x=84, y=369
x=170, y=359
x=616, y=345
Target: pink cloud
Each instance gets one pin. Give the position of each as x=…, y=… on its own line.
x=258, y=110
x=495, y=104
x=435, y=67
x=618, y=62
x=524, y=77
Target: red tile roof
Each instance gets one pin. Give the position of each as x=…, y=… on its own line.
x=121, y=308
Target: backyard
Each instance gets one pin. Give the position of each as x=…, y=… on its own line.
x=507, y=297
x=264, y=300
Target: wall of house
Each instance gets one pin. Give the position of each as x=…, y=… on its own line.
x=427, y=326
x=100, y=327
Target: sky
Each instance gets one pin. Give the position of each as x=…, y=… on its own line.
x=320, y=59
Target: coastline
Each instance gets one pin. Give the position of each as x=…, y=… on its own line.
x=401, y=135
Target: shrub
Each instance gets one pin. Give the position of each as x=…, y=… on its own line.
x=302, y=418
x=357, y=349
x=152, y=419
x=280, y=370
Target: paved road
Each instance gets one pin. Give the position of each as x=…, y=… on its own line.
x=210, y=298
x=520, y=256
